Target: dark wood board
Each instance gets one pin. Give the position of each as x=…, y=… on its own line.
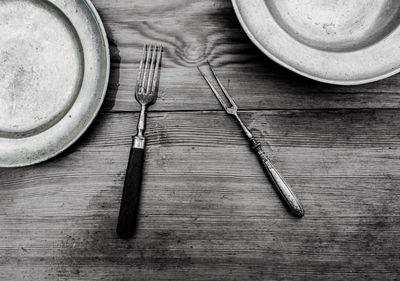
x=193, y=32
x=208, y=211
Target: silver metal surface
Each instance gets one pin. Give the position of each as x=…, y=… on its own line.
x=283, y=188
x=340, y=42
x=139, y=142
x=54, y=60
x=146, y=87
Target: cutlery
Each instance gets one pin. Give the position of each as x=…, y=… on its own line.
x=284, y=190
x=146, y=94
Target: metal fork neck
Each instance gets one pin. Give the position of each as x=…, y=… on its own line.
x=139, y=139
x=142, y=122
x=246, y=131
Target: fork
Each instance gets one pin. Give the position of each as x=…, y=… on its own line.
x=284, y=190
x=145, y=94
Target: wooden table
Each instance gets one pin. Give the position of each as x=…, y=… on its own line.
x=208, y=212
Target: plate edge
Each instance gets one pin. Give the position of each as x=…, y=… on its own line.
x=278, y=61
x=96, y=112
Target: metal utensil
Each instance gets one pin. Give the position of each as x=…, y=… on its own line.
x=146, y=94
x=283, y=189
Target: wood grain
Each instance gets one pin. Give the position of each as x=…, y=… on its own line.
x=193, y=31
x=208, y=211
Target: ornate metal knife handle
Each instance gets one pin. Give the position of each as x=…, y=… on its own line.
x=282, y=187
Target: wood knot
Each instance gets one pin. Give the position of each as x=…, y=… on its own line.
x=194, y=53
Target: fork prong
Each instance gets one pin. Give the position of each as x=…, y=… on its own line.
x=221, y=101
x=152, y=68
x=222, y=86
x=141, y=64
x=147, y=67
x=157, y=68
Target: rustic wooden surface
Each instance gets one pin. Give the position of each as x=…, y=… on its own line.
x=208, y=212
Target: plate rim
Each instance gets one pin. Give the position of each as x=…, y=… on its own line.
x=302, y=73
x=96, y=111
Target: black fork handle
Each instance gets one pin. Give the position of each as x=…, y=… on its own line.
x=128, y=213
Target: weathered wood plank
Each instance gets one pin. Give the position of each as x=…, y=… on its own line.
x=208, y=212
x=198, y=30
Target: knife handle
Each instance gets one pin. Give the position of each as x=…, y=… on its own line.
x=284, y=190
x=130, y=196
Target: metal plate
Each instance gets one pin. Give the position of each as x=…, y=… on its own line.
x=339, y=42
x=55, y=62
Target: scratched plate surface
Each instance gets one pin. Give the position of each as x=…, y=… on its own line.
x=339, y=42
x=54, y=72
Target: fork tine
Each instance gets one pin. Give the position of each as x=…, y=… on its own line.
x=141, y=64
x=147, y=67
x=157, y=68
x=152, y=68
x=222, y=86
x=221, y=101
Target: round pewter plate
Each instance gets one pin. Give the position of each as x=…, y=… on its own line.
x=339, y=42
x=54, y=70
